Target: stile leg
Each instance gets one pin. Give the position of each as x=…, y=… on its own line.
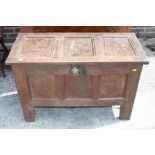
x=23, y=92
x=29, y=113
x=131, y=89
x=125, y=111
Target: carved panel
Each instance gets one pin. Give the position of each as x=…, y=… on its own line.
x=114, y=46
x=36, y=47
x=77, y=47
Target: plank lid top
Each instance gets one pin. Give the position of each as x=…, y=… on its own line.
x=76, y=47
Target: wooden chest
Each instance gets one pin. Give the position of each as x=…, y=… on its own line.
x=76, y=70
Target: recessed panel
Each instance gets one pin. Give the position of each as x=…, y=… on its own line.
x=78, y=86
x=77, y=47
x=111, y=85
x=42, y=86
x=37, y=47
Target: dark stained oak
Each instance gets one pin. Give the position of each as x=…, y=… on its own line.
x=75, y=29
x=76, y=70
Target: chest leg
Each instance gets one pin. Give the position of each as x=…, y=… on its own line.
x=131, y=89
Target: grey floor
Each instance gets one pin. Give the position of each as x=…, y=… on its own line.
x=143, y=115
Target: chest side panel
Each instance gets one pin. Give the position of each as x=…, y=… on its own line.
x=95, y=88
x=78, y=87
x=108, y=86
x=42, y=86
x=111, y=85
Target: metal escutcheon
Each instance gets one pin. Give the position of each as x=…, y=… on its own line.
x=77, y=70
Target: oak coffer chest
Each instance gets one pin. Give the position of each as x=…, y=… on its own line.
x=76, y=69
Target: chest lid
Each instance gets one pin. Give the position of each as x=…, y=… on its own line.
x=76, y=47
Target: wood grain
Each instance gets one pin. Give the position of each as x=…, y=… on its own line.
x=22, y=85
x=76, y=47
x=130, y=93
